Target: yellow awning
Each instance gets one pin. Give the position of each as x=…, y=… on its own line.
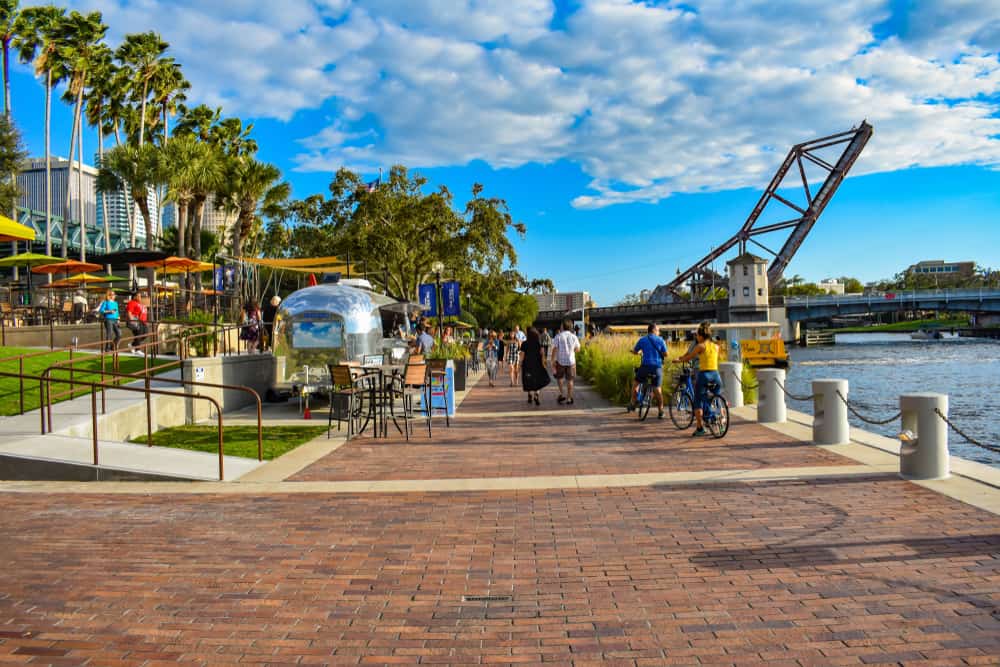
x=15, y=231
x=339, y=268
x=283, y=263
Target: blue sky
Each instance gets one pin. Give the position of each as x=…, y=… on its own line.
x=630, y=137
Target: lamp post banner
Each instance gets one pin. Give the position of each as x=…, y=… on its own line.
x=427, y=296
x=451, y=298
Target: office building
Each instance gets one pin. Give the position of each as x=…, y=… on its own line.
x=832, y=286
x=31, y=182
x=564, y=301
x=941, y=269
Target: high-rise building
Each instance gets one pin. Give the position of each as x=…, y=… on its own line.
x=565, y=301
x=31, y=182
x=215, y=220
x=120, y=205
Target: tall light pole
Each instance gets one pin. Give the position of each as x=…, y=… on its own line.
x=438, y=267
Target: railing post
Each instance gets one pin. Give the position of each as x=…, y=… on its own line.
x=149, y=412
x=830, y=425
x=732, y=384
x=93, y=419
x=770, y=398
x=923, y=452
x=221, y=457
x=20, y=381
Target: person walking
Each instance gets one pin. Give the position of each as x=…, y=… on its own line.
x=534, y=378
x=270, y=312
x=653, y=351
x=491, y=356
x=137, y=317
x=564, y=348
x=251, y=324
x=546, y=341
x=108, y=312
x=512, y=349
x=707, y=352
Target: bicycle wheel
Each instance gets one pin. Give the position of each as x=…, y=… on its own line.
x=645, y=398
x=681, y=408
x=718, y=421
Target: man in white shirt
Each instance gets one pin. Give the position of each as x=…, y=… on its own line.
x=564, y=347
x=519, y=335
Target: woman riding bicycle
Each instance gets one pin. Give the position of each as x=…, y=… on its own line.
x=707, y=353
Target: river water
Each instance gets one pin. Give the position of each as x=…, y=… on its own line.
x=880, y=367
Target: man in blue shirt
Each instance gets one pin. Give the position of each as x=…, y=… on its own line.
x=653, y=351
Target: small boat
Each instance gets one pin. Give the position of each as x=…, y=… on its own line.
x=926, y=334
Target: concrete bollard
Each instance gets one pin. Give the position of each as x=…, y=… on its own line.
x=830, y=425
x=730, y=373
x=923, y=452
x=770, y=397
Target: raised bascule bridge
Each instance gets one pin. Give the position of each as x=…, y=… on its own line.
x=805, y=163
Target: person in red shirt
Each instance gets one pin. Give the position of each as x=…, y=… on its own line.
x=137, y=317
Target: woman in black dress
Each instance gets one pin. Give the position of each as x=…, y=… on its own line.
x=534, y=377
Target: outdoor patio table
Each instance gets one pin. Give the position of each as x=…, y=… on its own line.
x=379, y=379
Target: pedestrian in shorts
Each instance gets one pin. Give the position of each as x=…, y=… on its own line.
x=564, y=348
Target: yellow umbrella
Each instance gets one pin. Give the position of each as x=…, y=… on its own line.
x=188, y=266
x=15, y=231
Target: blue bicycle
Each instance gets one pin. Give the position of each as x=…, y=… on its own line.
x=644, y=396
x=682, y=405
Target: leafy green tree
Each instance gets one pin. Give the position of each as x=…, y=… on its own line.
x=852, y=285
x=12, y=154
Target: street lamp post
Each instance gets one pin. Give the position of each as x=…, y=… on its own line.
x=438, y=268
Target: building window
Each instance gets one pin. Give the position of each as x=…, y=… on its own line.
x=760, y=268
x=746, y=291
x=760, y=291
x=746, y=270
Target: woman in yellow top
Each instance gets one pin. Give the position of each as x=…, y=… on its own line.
x=707, y=352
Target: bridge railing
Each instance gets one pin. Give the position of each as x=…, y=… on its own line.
x=979, y=293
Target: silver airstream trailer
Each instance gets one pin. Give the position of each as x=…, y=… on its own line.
x=335, y=322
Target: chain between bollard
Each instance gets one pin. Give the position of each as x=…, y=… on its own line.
x=745, y=385
x=793, y=396
x=963, y=434
x=874, y=422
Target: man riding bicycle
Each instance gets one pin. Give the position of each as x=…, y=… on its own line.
x=653, y=351
x=707, y=353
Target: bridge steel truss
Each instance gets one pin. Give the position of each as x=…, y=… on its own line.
x=855, y=140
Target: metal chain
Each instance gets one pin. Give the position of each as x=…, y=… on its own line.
x=964, y=435
x=793, y=396
x=874, y=422
x=745, y=385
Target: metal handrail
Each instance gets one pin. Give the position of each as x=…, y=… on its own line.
x=93, y=410
x=214, y=385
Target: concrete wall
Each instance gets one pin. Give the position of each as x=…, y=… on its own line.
x=62, y=335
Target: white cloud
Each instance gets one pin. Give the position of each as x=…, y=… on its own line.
x=649, y=98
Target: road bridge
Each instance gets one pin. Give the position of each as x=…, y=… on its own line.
x=680, y=312
x=811, y=308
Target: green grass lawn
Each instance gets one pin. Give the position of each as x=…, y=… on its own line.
x=10, y=387
x=237, y=440
x=912, y=325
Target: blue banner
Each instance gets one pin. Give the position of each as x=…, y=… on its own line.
x=451, y=299
x=219, y=284
x=427, y=296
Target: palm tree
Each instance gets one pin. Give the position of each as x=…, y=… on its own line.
x=139, y=168
x=36, y=41
x=80, y=50
x=169, y=91
x=98, y=99
x=8, y=25
x=252, y=187
x=143, y=54
x=195, y=170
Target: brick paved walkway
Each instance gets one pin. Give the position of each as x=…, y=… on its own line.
x=851, y=570
x=486, y=441
x=821, y=573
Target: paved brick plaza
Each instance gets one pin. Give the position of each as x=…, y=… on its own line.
x=554, y=440
x=859, y=569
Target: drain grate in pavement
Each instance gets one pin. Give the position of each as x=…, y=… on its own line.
x=486, y=598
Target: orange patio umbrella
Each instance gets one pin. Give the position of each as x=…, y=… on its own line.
x=67, y=267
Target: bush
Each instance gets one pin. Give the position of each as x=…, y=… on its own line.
x=449, y=351
x=608, y=364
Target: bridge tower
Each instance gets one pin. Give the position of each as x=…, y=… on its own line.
x=748, y=294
